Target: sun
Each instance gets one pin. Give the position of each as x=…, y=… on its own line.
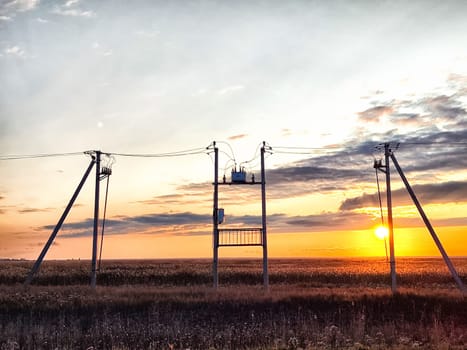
x=381, y=232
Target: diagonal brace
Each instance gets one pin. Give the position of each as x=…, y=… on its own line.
x=38, y=262
x=429, y=227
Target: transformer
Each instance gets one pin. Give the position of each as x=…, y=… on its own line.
x=238, y=176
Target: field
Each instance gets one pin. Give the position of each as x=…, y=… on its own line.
x=311, y=304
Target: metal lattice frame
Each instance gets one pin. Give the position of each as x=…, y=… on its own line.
x=238, y=237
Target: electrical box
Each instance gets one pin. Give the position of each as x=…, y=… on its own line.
x=220, y=216
x=238, y=176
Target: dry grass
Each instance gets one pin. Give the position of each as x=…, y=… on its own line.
x=312, y=304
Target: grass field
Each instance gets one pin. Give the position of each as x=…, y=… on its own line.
x=312, y=304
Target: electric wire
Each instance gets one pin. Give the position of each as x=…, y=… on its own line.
x=230, y=147
x=40, y=155
x=434, y=143
x=162, y=155
x=193, y=151
x=309, y=148
x=255, y=155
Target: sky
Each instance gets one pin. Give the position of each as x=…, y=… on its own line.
x=333, y=78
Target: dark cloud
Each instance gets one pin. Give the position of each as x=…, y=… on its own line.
x=443, y=108
x=447, y=192
x=421, y=155
x=443, y=111
x=430, y=149
x=133, y=224
x=33, y=210
x=406, y=118
x=169, y=219
x=365, y=200
x=194, y=224
x=307, y=173
x=335, y=221
x=174, y=199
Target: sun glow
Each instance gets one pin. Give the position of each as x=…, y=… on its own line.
x=381, y=232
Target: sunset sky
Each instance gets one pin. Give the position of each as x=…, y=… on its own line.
x=333, y=78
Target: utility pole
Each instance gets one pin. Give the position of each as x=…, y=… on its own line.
x=389, y=155
x=392, y=259
x=215, y=222
x=263, y=221
x=96, y=220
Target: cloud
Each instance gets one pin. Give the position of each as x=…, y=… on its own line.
x=147, y=33
x=335, y=170
x=365, y=200
x=406, y=118
x=71, y=8
x=443, y=107
x=306, y=173
x=374, y=114
x=230, y=89
x=5, y=18
x=168, y=219
x=158, y=223
x=183, y=199
x=188, y=223
x=332, y=221
x=33, y=210
x=71, y=3
x=441, y=110
x=15, y=51
x=74, y=13
x=430, y=149
x=41, y=20
x=13, y=6
x=446, y=192
x=101, y=50
x=237, y=137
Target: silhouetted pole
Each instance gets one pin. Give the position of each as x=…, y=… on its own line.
x=96, y=220
x=38, y=262
x=263, y=214
x=429, y=227
x=215, y=222
x=392, y=259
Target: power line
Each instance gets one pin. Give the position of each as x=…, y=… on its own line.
x=308, y=148
x=230, y=147
x=435, y=143
x=298, y=150
x=40, y=155
x=161, y=155
x=140, y=155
